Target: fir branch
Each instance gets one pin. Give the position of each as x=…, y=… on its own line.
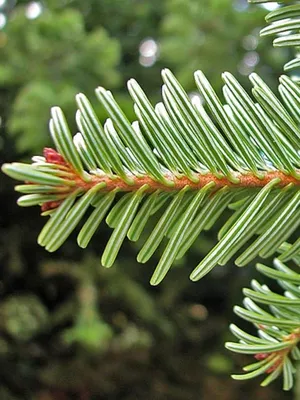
x=277, y=343
x=188, y=160
x=284, y=24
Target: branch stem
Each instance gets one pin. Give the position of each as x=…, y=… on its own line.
x=245, y=181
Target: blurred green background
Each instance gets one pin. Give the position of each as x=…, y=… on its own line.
x=69, y=329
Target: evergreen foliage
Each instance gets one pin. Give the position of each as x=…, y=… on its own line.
x=177, y=168
x=276, y=346
x=241, y=155
x=47, y=58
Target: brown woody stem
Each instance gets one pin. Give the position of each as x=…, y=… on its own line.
x=114, y=182
x=247, y=180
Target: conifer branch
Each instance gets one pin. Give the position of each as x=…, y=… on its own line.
x=191, y=162
x=284, y=24
x=277, y=344
x=183, y=163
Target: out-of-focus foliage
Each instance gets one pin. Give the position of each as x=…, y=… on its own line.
x=47, y=60
x=216, y=36
x=23, y=316
x=130, y=22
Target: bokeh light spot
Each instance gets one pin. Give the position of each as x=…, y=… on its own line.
x=148, y=52
x=34, y=10
x=2, y=20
